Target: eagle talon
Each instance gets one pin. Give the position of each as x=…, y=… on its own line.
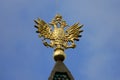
x=46, y=44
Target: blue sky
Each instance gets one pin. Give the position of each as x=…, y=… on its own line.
x=24, y=57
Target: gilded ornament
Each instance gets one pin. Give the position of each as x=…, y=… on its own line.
x=60, y=39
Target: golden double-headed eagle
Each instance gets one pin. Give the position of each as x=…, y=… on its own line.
x=56, y=34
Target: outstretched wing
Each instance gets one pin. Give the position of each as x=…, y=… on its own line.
x=73, y=32
x=43, y=29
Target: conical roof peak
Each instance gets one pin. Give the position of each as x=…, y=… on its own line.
x=60, y=72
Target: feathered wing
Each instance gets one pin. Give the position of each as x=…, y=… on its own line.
x=73, y=32
x=43, y=28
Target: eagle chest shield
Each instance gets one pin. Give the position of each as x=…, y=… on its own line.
x=59, y=33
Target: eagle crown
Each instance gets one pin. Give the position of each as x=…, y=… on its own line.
x=58, y=22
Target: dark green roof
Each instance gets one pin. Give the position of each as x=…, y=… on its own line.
x=60, y=72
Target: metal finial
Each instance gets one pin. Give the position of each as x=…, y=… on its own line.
x=60, y=39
